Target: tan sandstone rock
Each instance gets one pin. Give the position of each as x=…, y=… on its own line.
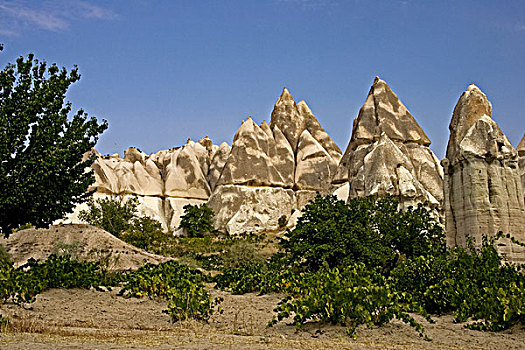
x=217, y=164
x=286, y=116
x=483, y=191
x=163, y=182
x=258, y=159
x=388, y=153
x=314, y=165
x=240, y=209
x=184, y=173
x=521, y=153
x=291, y=158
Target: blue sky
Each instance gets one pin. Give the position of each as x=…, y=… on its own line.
x=164, y=71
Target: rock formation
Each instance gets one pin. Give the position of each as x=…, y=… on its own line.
x=483, y=191
x=521, y=153
x=269, y=172
x=259, y=158
x=388, y=153
x=273, y=170
x=163, y=182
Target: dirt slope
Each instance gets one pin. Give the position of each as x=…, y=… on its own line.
x=85, y=241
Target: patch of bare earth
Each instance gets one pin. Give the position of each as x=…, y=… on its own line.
x=86, y=242
x=88, y=319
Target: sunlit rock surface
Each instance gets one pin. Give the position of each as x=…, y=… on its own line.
x=162, y=182
x=483, y=190
x=274, y=170
x=388, y=153
x=521, y=153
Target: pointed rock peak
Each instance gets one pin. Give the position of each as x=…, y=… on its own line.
x=286, y=115
x=248, y=123
x=383, y=111
x=303, y=108
x=266, y=128
x=224, y=145
x=521, y=147
x=472, y=105
x=474, y=102
x=285, y=96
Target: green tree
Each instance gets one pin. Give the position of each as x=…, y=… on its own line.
x=121, y=219
x=367, y=230
x=42, y=172
x=197, y=220
x=111, y=214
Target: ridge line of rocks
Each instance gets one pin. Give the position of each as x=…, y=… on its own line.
x=273, y=170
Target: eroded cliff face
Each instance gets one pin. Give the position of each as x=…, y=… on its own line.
x=274, y=169
x=388, y=153
x=521, y=154
x=163, y=182
x=483, y=189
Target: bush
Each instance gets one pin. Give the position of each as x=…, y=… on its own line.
x=368, y=230
x=473, y=283
x=23, y=284
x=181, y=286
x=256, y=277
x=121, y=220
x=240, y=253
x=110, y=214
x=351, y=296
x=145, y=233
x=197, y=220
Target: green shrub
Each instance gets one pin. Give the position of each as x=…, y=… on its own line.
x=121, y=220
x=240, y=253
x=473, y=283
x=23, y=284
x=255, y=277
x=197, y=220
x=183, y=288
x=110, y=214
x=350, y=297
x=368, y=230
x=145, y=233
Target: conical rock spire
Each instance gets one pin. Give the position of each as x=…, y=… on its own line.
x=384, y=112
x=483, y=190
x=253, y=157
x=384, y=122
x=286, y=116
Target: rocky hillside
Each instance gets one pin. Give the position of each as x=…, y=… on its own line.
x=273, y=169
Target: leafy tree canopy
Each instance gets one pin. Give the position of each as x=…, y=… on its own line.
x=42, y=172
x=367, y=230
x=197, y=220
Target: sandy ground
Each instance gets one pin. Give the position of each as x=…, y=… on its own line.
x=88, y=319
